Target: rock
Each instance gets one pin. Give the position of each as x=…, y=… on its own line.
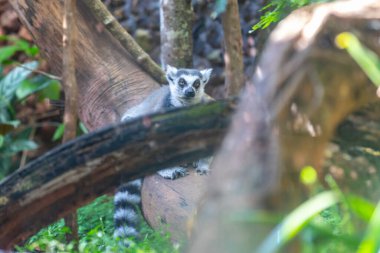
x=171, y=204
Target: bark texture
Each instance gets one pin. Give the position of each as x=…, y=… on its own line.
x=58, y=182
x=176, y=23
x=109, y=80
x=126, y=40
x=303, y=88
x=233, y=55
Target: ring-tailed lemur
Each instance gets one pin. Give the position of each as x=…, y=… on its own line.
x=186, y=87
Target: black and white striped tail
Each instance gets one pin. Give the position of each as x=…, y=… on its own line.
x=126, y=216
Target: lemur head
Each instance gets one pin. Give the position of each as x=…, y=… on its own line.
x=187, y=85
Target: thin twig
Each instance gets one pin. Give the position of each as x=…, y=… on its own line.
x=70, y=88
x=24, y=154
x=126, y=40
x=40, y=72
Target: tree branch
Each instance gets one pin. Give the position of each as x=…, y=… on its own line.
x=78, y=171
x=126, y=40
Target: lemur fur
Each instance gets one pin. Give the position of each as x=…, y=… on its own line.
x=186, y=87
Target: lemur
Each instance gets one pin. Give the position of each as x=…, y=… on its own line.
x=186, y=87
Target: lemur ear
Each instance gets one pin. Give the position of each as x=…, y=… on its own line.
x=171, y=72
x=206, y=73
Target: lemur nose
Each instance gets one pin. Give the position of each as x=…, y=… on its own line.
x=189, y=93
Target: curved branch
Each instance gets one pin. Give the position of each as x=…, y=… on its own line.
x=78, y=171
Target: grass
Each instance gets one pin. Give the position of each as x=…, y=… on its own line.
x=95, y=228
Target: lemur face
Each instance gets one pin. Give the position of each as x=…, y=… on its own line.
x=187, y=85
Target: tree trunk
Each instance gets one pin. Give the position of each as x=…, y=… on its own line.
x=176, y=23
x=303, y=89
x=233, y=55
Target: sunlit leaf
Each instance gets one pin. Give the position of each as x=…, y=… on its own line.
x=1, y=140
x=308, y=175
x=360, y=206
x=366, y=59
x=59, y=132
x=7, y=52
x=297, y=220
x=371, y=240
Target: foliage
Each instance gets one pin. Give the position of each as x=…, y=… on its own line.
x=330, y=221
x=95, y=232
x=15, y=86
x=17, y=45
x=278, y=9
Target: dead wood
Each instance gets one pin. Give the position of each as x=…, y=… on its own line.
x=304, y=87
x=78, y=171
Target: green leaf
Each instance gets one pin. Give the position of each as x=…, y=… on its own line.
x=365, y=58
x=360, y=206
x=20, y=145
x=32, y=51
x=83, y=128
x=7, y=52
x=13, y=79
x=51, y=91
x=23, y=45
x=371, y=240
x=1, y=140
x=34, y=85
x=59, y=132
x=297, y=220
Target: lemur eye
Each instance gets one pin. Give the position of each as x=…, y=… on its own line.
x=181, y=82
x=196, y=84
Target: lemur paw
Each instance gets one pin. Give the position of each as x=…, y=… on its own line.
x=202, y=167
x=203, y=170
x=173, y=173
